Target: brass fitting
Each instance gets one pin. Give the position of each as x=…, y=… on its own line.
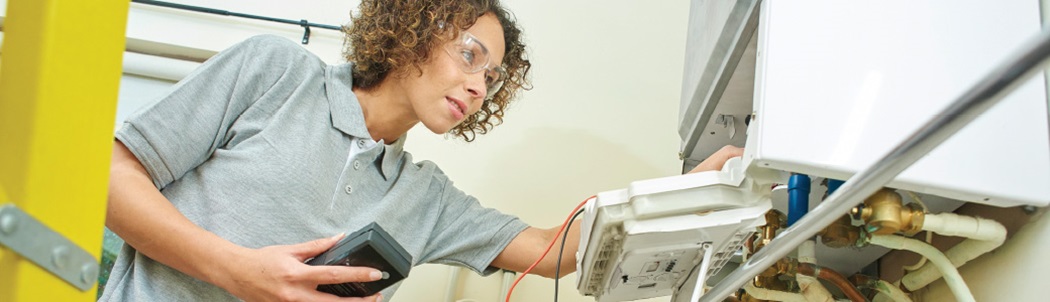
x=884, y=214
x=881, y=212
x=840, y=233
x=771, y=282
x=912, y=218
x=775, y=220
x=785, y=266
x=770, y=277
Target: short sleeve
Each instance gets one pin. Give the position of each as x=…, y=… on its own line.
x=181, y=130
x=468, y=234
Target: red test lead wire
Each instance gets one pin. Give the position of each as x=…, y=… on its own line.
x=560, y=230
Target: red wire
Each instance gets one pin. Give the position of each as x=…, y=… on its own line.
x=560, y=231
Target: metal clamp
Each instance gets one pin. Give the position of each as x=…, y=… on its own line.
x=31, y=239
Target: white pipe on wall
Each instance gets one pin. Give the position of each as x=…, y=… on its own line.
x=453, y=284
x=508, y=278
x=935, y=257
x=157, y=67
x=984, y=235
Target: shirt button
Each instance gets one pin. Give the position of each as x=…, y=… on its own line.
x=361, y=143
x=349, y=189
x=357, y=165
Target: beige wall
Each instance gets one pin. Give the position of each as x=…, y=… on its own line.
x=603, y=113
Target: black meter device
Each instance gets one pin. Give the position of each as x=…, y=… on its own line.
x=370, y=246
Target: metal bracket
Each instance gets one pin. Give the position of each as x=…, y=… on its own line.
x=31, y=239
x=727, y=121
x=306, y=31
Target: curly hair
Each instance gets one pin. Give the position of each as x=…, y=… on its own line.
x=388, y=35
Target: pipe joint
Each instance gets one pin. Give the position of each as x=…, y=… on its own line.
x=840, y=233
x=784, y=266
x=775, y=220
x=884, y=213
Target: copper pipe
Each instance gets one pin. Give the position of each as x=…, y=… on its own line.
x=835, y=278
x=859, y=280
x=865, y=282
x=749, y=244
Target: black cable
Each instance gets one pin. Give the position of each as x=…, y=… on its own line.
x=561, y=250
x=233, y=14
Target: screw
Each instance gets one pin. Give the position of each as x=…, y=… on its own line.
x=60, y=256
x=88, y=273
x=8, y=222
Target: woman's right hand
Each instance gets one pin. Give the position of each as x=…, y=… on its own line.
x=277, y=273
x=137, y=211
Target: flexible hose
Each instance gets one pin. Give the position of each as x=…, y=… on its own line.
x=891, y=291
x=772, y=295
x=886, y=289
x=983, y=236
x=834, y=277
x=934, y=256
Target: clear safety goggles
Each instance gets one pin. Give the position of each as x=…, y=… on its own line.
x=474, y=57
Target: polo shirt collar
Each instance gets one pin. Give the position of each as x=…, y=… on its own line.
x=348, y=117
x=392, y=155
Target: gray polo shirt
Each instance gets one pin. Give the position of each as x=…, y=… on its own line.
x=255, y=146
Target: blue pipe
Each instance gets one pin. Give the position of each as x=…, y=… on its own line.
x=833, y=184
x=798, y=197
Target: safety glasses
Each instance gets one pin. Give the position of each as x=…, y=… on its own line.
x=473, y=58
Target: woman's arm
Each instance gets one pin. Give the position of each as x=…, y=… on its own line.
x=530, y=243
x=147, y=221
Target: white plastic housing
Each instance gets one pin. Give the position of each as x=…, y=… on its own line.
x=644, y=241
x=840, y=83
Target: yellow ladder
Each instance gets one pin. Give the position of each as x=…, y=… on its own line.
x=60, y=67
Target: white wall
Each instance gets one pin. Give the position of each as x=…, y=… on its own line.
x=137, y=91
x=603, y=112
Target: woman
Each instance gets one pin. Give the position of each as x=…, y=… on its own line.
x=216, y=186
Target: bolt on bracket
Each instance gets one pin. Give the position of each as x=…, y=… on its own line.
x=31, y=239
